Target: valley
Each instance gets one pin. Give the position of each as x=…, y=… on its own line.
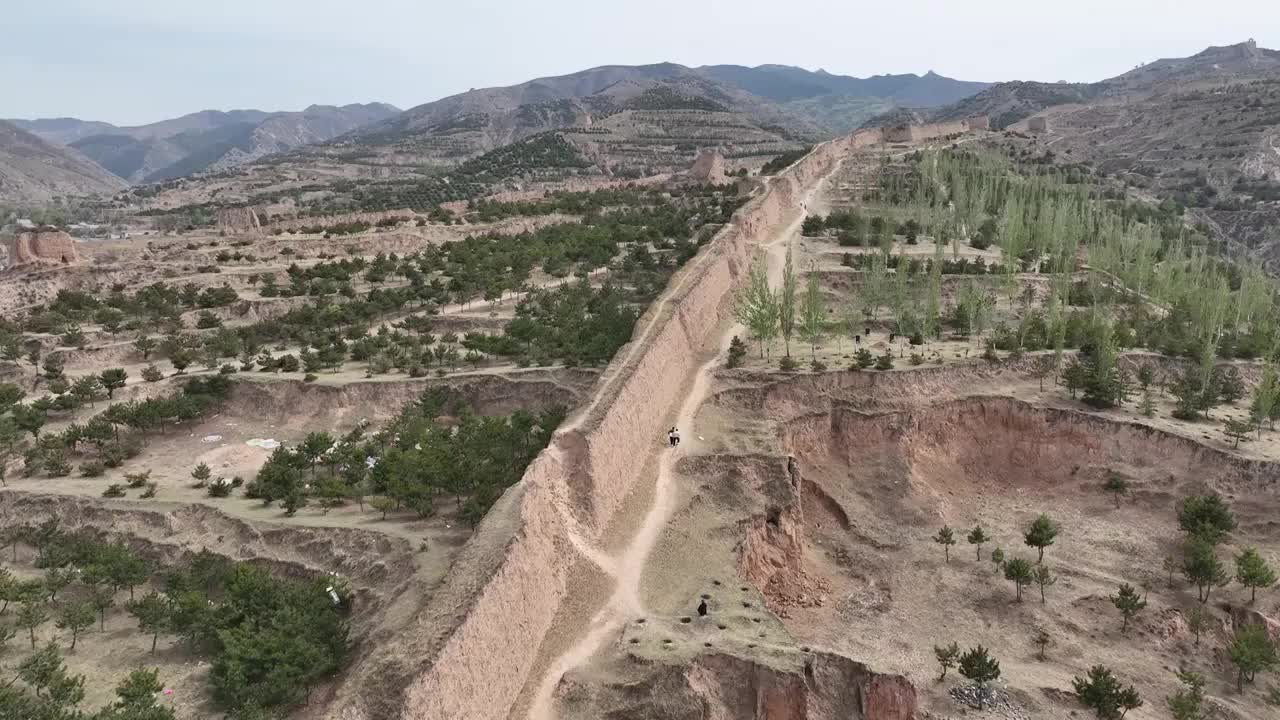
x=650, y=391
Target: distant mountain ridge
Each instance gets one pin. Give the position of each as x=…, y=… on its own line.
x=774, y=107
x=1009, y=102
x=784, y=83
x=33, y=170
x=1202, y=130
x=206, y=140
x=789, y=88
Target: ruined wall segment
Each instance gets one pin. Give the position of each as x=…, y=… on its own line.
x=45, y=246
x=708, y=167
x=580, y=481
x=239, y=221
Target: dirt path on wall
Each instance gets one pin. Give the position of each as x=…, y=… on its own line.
x=627, y=566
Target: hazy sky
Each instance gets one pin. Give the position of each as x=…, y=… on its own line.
x=137, y=61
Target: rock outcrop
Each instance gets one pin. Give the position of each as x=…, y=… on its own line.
x=1242, y=616
x=238, y=221
x=45, y=246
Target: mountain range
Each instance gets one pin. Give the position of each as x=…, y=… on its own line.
x=813, y=104
x=207, y=140
x=786, y=105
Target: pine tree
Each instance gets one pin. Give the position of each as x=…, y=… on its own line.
x=948, y=656
x=1019, y=571
x=75, y=617
x=1116, y=485
x=1198, y=620
x=1129, y=603
x=201, y=474
x=31, y=615
x=1251, y=651
x=1202, y=567
x=1043, y=577
x=979, y=667
x=946, y=538
x=1253, y=572
x=153, y=615
x=977, y=536
x=1102, y=692
x=1188, y=703
x=1041, y=534
x=1207, y=516
x=1042, y=639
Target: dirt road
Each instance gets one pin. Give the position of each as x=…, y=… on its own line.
x=626, y=567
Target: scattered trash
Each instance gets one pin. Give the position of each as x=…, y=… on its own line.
x=369, y=462
x=211, y=439
x=264, y=443
x=168, y=691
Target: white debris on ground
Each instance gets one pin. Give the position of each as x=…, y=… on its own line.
x=211, y=439
x=264, y=443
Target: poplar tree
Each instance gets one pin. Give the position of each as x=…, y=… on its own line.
x=812, y=315
x=787, y=302
x=757, y=308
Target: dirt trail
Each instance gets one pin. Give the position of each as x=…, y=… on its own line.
x=626, y=568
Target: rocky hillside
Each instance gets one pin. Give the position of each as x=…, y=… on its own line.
x=34, y=171
x=208, y=140
x=1009, y=102
x=1203, y=131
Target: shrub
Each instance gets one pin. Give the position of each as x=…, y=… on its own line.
x=151, y=373
x=114, y=490
x=818, y=366
x=309, y=377
x=91, y=468
x=989, y=352
x=219, y=488
x=863, y=359
x=150, y=492
x=917, y=359
x=737, y=352
x=788, y=364
x=885, y=361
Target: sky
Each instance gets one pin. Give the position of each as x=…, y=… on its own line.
x=137, y=61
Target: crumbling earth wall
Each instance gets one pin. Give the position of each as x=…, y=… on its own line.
x=238, y=221
x=708, y=167
x=45, y=246
x=476, y=646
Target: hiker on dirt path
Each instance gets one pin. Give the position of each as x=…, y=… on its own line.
x=673, y=436
x=702, y=608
